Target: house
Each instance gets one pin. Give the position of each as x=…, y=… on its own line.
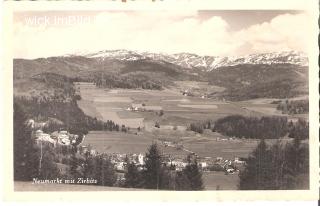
x=62, y=137
x=237, y=160
x=41, y=137
x=93, y=152
x=186, y=93
x=230, y=170
x=203, y=165
x=140, y=159
x=204, y=96
x=120, y=166
x=180, y=165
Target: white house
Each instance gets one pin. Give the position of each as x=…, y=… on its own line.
x=203, y=164
x=43, y=137
x=120, y=166
x=141, y=159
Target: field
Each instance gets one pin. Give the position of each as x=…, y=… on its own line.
x=220, y=181
x=202, y=145
x=178, y=112
x=117, y=142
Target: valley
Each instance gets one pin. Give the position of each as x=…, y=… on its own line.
x=122, y=103
x=141, y=109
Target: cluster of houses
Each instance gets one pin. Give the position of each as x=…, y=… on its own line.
x=205, y=164
x=230, y=166
x=120, y=160
x=137, y=107
x=187, y=92
x=55, y=138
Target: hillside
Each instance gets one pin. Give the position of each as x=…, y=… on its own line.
x=270, y=75
x=261, y=81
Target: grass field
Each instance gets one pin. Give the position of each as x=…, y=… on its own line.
x=117, y=142
x=202, y=145
x=179, y=112
x=220, y=181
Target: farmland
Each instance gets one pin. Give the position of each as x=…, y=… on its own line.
x=178, y=112
x=115, y=142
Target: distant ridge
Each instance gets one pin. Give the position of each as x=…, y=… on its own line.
x=205, y=63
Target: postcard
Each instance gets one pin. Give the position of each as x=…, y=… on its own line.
x=151, y=100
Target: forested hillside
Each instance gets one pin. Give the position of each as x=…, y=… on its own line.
x=261, y=81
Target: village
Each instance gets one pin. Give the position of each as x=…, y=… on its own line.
x=206, y=164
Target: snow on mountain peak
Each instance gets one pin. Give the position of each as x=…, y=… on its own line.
x=208, y=63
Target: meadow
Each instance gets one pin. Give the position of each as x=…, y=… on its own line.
x=220, y=181
x=178, y=112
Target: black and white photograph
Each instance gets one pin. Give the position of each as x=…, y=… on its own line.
x=163, y=100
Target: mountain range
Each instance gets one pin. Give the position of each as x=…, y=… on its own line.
x=266, y=75
x=205, y=63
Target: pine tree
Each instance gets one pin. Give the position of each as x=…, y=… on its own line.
x=277, y=170
x=153, y=178
x=297, y=165
x=89, y=166
x=283, y=166
x=74, y=165
x=104, y=171
x=49, y=169
x=193, y=174
x=182, y=182
x=257, y=174
x=25, y=153
x=132, y=176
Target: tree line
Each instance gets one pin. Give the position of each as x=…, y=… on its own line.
x=132, y=81
x=294, y=107
x=266, y=127
x=160, y=176
x=281, y=166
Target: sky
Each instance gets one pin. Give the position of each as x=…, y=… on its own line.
x=215, y=33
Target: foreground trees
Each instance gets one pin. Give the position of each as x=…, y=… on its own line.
x=154, y=175
x=30, y=161
x=281, y=166
x=157, y=175
x=133, y=178
x=191, y=177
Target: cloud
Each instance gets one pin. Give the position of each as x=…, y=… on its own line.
x=284, y=32
x=166, y=31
